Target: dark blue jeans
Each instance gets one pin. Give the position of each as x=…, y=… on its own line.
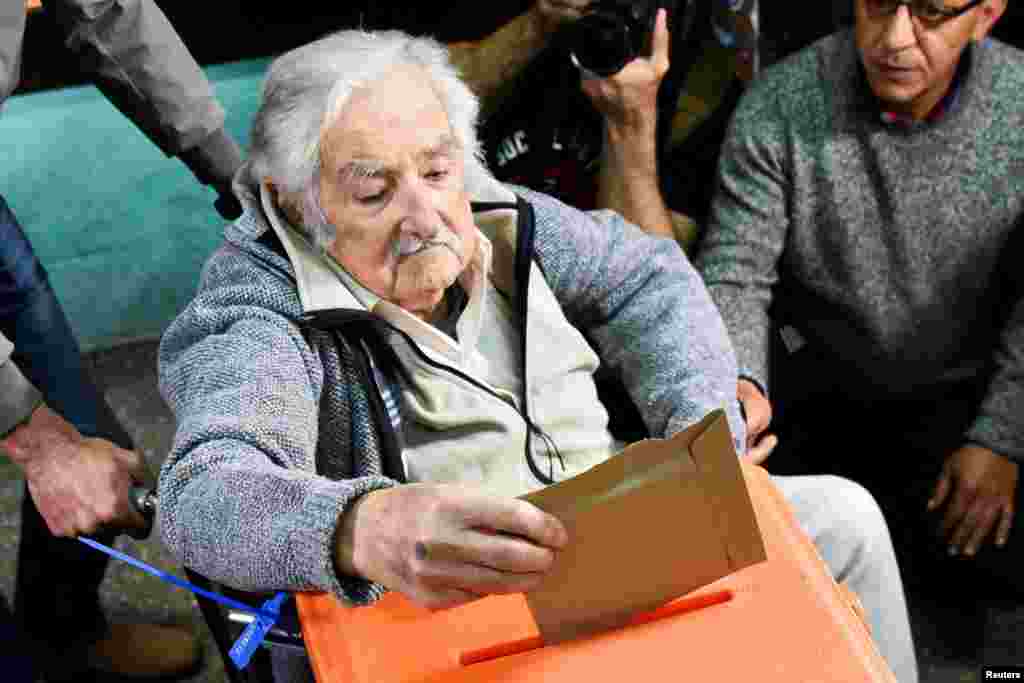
x=56, y=603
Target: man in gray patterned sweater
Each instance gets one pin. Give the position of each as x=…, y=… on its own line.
x=868, y=210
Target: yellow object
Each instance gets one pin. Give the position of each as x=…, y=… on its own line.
x=705, y=85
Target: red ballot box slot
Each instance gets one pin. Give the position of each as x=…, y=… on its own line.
x=677, y=607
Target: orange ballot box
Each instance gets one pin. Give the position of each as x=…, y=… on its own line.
x=780, y=619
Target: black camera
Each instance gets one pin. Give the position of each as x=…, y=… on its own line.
x=614, y=33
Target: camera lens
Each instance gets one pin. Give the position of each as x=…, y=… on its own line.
x=602, y=43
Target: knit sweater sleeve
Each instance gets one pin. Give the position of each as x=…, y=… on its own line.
x=240, y=500
x=641, y=303
x=999, y=425
x=747, y=227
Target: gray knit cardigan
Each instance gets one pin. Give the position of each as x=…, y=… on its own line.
x=258, y=476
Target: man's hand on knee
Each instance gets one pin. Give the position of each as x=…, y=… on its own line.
x=976, y=488
x=445, y=545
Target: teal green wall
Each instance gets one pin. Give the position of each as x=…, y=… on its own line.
x=122, y=230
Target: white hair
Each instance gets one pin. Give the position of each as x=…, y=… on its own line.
x=306, y=90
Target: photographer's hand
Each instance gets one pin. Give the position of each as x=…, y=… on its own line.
x=629, y=99
x=628, y=181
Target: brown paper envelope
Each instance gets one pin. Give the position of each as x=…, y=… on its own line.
x=726, y=493
x=645, y=527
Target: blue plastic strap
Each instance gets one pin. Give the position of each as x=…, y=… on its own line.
x=181, y=583
x=252, y=637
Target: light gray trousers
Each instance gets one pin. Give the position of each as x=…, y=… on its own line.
x=850, y=533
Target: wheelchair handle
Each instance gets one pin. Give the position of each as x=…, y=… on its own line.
x=143, y=500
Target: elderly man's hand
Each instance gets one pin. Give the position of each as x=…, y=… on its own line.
x=629, y=99
x=758, y=413
x=445, y=545
x=982, y=485
x=555, y=13
x=78, y=484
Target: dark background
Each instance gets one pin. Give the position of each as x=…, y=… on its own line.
x=229, y=30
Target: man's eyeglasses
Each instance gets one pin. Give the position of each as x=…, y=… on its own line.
x=930, y=11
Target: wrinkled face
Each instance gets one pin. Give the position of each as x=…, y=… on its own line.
x=391, y=182
x=910, y=62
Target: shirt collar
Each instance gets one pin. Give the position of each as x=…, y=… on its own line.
x=362, y=294
x=894, y=118
x=941, y=108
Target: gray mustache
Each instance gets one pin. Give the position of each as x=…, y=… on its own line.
x=408, y=245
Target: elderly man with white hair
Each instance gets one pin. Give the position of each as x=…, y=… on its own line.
x=390, y=347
